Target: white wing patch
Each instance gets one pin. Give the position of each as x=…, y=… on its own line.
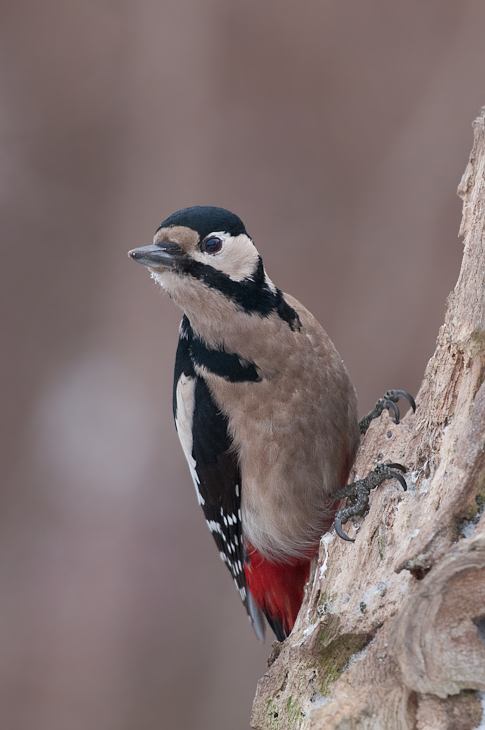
x=185, y=396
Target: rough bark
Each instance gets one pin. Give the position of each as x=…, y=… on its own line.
x=391, y=634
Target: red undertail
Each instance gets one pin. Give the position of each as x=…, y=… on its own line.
x=277, y=588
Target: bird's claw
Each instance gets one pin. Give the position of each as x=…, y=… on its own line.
x=360, y=490
x=391, y=406
x=394, y=395
x=395, y=474
x=339, y=530
x=388, y=402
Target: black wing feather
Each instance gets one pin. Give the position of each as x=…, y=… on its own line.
x=216, y=462
x=219, y=481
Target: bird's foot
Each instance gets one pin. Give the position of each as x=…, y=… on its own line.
x=389, y=401
x=358, y=492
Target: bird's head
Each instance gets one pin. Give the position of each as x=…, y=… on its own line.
x=203, y=257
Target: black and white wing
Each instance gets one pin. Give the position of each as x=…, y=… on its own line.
x=203, y=433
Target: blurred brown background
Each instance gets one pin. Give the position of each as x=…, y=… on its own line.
x=338, y=130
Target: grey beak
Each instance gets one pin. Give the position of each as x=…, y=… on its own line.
x=163, y=254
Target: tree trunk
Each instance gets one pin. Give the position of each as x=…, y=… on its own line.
x=391, y=634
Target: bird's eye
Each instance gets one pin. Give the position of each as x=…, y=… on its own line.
x=212, y=245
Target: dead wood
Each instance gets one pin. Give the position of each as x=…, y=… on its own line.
x=391, y=635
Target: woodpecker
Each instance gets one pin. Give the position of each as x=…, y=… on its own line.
x=264, y=409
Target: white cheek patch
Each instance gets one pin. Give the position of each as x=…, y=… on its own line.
x=238, y=257
x=183, y=421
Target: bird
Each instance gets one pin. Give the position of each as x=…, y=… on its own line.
x=264, y=408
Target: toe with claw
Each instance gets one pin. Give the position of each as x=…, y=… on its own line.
x=389, y=402
x=358, y=492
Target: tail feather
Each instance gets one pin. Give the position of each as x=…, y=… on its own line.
x=277, y=627
x=257, y=617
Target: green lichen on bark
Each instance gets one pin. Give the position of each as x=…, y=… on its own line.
x=476, y=343
x=294, y=714
x=272, y=715
x=334, y=657
x=286, y=715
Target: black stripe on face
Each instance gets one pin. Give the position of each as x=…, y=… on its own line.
x=252, y=294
